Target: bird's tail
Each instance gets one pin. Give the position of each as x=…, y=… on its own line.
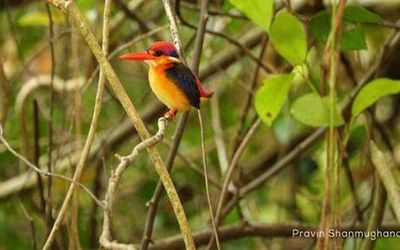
x=203, y=93
x=206, y=94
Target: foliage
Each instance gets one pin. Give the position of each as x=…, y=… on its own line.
x=313, y=110
x=372, y=92
x=288, y=37
x=271, y=97
x=259, y=11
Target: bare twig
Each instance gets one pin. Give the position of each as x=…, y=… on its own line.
x=204, y=159
x=329, y=212
x=231, y=168
x=173, y=26
x=197, y=169
x=145, y=27
x=31, y=225
x=43, y=172
x=105, y=237
x=219, y=140
x=49, y=205
x=36, y=152
x=248, y=100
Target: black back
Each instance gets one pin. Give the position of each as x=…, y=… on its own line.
x=183, y=77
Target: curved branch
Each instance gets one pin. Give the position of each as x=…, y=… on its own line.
x=105, y=237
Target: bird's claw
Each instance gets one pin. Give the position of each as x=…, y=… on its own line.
x=170, y=114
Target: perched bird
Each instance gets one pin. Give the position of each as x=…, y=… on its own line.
x=171, y=81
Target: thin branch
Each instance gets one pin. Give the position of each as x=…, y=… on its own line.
x=31, y=225
x=36, y=152
x=191, y=6
x=248, y=99
x=49, y=205
x=218, y=135
x=173, y=26
x=194, y=167
x=228, y=176
x=44, y=172
x=204, y=159
x=242, y=230
x=105, y=237
x=74, y=240
x=145, y=27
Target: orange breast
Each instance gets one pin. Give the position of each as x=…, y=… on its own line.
x=166, y=90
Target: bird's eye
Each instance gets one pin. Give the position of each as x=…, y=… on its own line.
x=158, y=52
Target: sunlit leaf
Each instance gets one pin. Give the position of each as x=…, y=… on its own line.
x=288, y=37
x=313, y=110
x=372, y=92
x=271, y=96
x=259, y=11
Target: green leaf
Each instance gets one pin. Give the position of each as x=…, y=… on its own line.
x=320, y=26
x=358, y=14
x=271, y=96
x=353, y=37
x=288, y=37
x=372, y=92
x=313, y=110
x=259, y=11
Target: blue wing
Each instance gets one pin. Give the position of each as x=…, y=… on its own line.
x=183, y=77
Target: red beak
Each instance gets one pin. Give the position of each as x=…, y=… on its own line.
x=137, y=56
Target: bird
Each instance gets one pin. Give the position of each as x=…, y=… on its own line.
x=173, y=83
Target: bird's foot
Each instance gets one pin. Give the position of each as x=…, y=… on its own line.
x=170, y=114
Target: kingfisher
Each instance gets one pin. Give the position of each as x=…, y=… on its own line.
x=171, y=81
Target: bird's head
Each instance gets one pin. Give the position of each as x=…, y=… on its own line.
x=159, y=53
